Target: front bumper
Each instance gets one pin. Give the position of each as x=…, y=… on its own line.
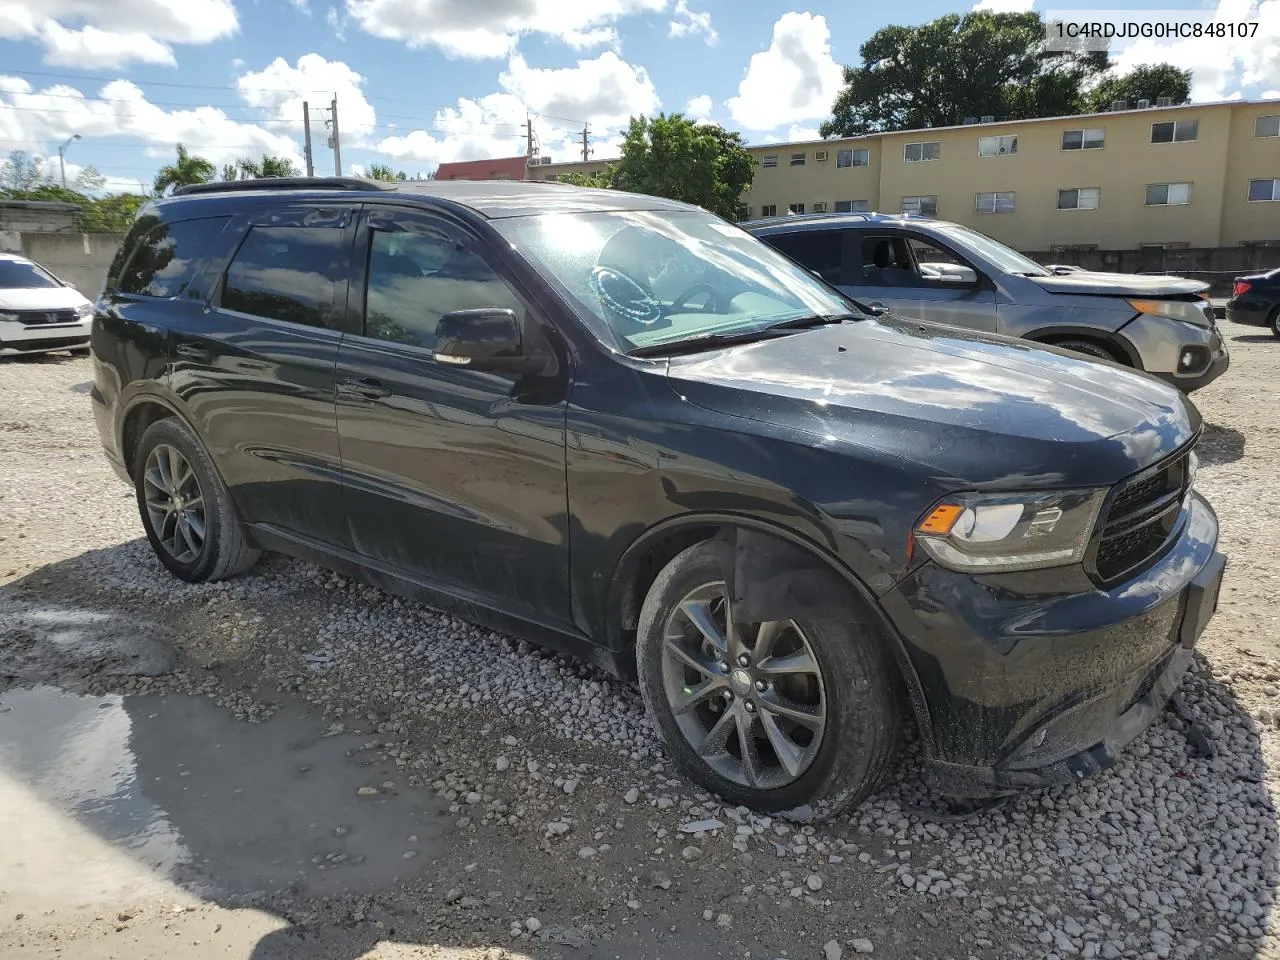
x=1217, y=367
x=17, y=338
x=1033, y=679
x=1161, y=343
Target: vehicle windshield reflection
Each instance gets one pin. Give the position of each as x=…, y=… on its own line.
x=645, y=278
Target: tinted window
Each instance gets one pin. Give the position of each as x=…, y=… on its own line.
x=24, y=275
x=815, y=250
x=166, y=258
x=297, y=274
x=415, y=278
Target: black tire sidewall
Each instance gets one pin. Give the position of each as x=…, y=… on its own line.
x=858, y=680
x=1087, y=349
x=176, y=434
x=1274, y=322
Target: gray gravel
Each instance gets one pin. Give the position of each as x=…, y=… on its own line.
x=1170, y=854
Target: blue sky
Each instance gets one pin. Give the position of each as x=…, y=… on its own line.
x=423, y=81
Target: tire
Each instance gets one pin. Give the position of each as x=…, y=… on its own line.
x=1089, y=348
x=859, y=693
x=223, y=550
x=1273, y=322
x=81, y=351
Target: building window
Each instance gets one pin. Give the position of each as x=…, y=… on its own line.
x=796, y=207
x=917, y=152
x=997, y=146
x=769, y=160
x=851, y=206
x=769, y=210
x=994, y=203
x=797, y=159
x=1078, y=198
x=921, y=206
x=1091, y=139
x=1175, y=131
x=1168, y=194
x=820, y=206
x=1267, y=126
x=852, y=158
x=1261, y=190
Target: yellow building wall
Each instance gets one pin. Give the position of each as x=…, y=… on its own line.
x=1250, y=157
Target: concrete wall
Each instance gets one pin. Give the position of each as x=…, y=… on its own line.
x=81, y=259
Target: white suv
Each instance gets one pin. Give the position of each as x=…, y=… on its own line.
x=38, y=312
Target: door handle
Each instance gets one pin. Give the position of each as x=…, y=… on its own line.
x=367, y=388
x=192, y=351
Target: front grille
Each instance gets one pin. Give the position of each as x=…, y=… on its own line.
x=46, y=318
x=1142, y=519
x=45, y=343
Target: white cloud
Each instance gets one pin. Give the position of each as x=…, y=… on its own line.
x=699, y=108
x=798, y=133
x=280, y=89
x=796, y=79
x=606, y=91
x=337, y=22
x=689, y=23
x=1004, y=6
x=302, y=5
x=488, y=29
x=1220, y=67
x=1271, y=95
x=94, y=48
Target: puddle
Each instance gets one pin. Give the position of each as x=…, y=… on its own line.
x=113, y=796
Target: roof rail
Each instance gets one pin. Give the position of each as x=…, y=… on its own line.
x=284, y=183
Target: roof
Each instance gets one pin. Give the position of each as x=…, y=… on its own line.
x=493, y=199
x=816, y=221
x=512, y=168
x=15, y=257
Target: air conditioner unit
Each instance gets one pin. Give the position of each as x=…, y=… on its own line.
x=1119, y=105
x=1164, y=101
x=820, y=155
x=1144, y=104
x=988, y=118
x=544, y=159
x=970, y=120
x=820, y=207
x=1004, y=150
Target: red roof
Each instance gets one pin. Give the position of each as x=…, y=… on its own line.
x=500, y=168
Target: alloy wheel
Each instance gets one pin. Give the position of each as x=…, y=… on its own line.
x=747, y=697
x=175, y=503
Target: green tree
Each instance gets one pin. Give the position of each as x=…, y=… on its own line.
x=380, y=171
x=1142, y=83
x=21, y=172
x=188, y=169
x=970, y=65
x=698, y=163
x=603, y=182
x=248, y=169
x=89, y=179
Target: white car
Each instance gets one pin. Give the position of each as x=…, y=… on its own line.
x=38, y=312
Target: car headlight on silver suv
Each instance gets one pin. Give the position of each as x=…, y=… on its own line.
x=1184, y=310
x=991, y=533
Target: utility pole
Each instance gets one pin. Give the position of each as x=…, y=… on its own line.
x=528, y=129
x=306, y=128
x=586, y=150
x=62, y=167
x=335, y=139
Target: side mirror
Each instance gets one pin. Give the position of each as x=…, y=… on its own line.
x=488, y=338
x=957, y=274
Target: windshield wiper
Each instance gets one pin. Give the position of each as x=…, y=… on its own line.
x=709, y=341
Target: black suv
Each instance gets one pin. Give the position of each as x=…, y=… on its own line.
x=624, y=427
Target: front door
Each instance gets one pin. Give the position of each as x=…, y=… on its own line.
x=452, y=475
x=255, y=367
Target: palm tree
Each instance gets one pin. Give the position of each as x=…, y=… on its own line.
x=189, y=169
x=276, y=167
x=380, y=171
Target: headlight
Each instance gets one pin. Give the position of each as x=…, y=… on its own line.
x=1187, y=312
x=8, y=316
x=989, y=533
x=84, y=310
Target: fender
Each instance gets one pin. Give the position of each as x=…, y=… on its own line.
x=150, y=392
x=783, y=567
x=1113, y=339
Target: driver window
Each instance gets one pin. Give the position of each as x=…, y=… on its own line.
x=886, y=262
x=415, y=278
x=933, y=262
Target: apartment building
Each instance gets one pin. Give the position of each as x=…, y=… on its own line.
x=1204, y=175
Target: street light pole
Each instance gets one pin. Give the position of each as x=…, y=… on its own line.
x=62, y=167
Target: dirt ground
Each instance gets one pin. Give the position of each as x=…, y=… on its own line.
x=292, y=765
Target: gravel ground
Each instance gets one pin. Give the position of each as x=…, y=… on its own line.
x=567, y=831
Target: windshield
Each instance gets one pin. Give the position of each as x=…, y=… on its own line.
x=650, y=277
x=23, y=275
x=1006, y=258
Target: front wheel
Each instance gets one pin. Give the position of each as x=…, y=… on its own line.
x=1087, y=347
x=185, y=507
x=770, y=715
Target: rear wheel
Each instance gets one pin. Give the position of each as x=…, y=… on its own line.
x=1274, y=321
x=1089, y=348
x=185, y=507
x=770, y=715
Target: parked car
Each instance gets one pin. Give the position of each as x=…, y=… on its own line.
x=38, y=312
x=622, y=427
x=1255, y=300
x=943, y=272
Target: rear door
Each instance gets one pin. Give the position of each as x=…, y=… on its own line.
x=454, y=475
x=255, y=367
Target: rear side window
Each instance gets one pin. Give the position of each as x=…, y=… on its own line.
x=167, y=256
x=819, y=251
x=295, y=274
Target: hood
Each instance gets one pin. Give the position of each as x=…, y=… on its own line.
x=40, y=298
x=981, y=409
x=1120, y=285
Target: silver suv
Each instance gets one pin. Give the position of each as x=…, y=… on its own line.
x=943, y=272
